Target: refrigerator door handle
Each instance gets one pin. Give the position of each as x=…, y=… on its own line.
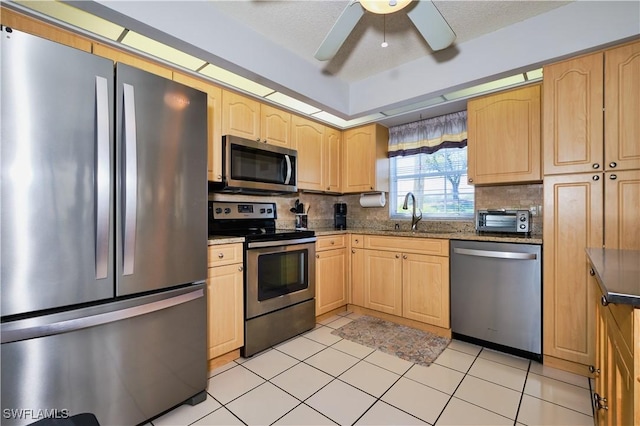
x=65, y=326
x=102, y=180
x=130, y=181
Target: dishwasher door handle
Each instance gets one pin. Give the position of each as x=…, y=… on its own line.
x=496, y=254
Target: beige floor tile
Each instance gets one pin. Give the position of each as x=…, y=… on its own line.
x=534, y=411
x=563, y=376
x=262, y=405
x=302, y=380
x=560, y=393
x=323, y=335
x=390, y=362
x=300, y=347
x=232, y=383
x=490, y=396
x=339, y=323
x=369, y=378
x=504, y=358
x=304, y=415
x=220, y=417
x=187, y=414
x=270, y=363
x=341, y=402
x=416, y=399
x=352, y=348
x=436, y=376
x=330, y=319
x=384, y=414
x=459, y=412
x=466, y=347
x=457, y=360
x=501, y=374
x=332, y=361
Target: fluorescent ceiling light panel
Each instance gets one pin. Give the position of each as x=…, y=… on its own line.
x=331, y=119
x=486, y=87
x=535, y=74
x=162, y=51
x=365, y=119
x=234, y=80
x=76, y=17
x=412, y=107
x=292, y=103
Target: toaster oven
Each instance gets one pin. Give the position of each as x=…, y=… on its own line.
x=504, y=221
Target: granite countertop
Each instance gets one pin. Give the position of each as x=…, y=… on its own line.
x=502, y=238
x=618, y=274
x=213, y=240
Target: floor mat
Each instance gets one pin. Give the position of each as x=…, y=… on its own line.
x=417, y=346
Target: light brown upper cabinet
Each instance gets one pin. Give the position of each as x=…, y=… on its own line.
x=214, y=120
x=574, y=122
x=365, y=164
x=20, y=22
x=275, y=126
x=308, y=139
x=622, y=108
x=333, y=160
x=504, y=137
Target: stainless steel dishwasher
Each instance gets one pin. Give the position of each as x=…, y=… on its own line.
x=496, y=295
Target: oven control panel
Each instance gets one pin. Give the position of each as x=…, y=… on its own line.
x=242, y=210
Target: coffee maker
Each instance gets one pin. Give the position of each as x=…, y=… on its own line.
x=340, y=215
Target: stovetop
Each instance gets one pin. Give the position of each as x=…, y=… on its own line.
x=266, y=234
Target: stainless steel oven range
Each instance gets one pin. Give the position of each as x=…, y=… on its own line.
x=279, y=277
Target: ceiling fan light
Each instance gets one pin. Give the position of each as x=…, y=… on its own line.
x=383, y=7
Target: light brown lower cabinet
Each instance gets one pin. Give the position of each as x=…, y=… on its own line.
x=617, y=373
x=225, y=298
x=331, y=273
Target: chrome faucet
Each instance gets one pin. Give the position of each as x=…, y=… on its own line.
x=414, y=219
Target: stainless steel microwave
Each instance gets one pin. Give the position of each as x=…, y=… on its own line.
x=502, y=220
x=255, y=167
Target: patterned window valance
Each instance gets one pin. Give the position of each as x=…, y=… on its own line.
x=428, y=136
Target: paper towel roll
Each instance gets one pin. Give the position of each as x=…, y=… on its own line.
x=373, y=199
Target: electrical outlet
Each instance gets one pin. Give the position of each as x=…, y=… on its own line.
x=533, y=210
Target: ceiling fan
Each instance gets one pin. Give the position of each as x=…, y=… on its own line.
x=425, y=16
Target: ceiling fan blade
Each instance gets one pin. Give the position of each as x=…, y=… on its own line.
x=340, y=31
x=433, y=27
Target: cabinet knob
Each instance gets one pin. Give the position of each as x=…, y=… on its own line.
x=595, y=178
x=328, y=188
x=613, y=177
x=470, y=179
x=613, y=164
x=220, y=255
x=317, y=256
x=592, y=272
x=404, y=256
x=357, y=241
x=371, y=187
x=353, y=251
x=219, y=176
x=397, y=256
x=593, y=369
x=604, y=301
x=332, y=242
x=240, y=268
x=257, y=139
x=595, y=166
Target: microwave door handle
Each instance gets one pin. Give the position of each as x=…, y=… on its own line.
x=287, y=178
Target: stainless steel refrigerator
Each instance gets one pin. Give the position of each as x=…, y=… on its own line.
x=103, y=237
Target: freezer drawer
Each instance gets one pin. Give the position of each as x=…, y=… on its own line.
x=496, y=293
x=125, y=361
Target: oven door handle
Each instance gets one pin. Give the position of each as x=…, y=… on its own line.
x=259, y=244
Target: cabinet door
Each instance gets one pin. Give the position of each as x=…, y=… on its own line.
x=308, y=140
x=240, y=116
x=622, y=109
x=425, y=289
x=24, y=23
x=333, y=160
x=275, y=126
x=214, y=120
x=601, y=353
x=357, y=277
x=331, y=273
x=225, y=309
x=572, y=115
x=572, y=221
x=359, y=159
x=504, y=137
x=383, y=281
x=622, y=210
x=135, y=61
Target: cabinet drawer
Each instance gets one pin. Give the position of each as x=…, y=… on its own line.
x=432, y=246
x=357, y=241
x=224, y=254
x=331, y=242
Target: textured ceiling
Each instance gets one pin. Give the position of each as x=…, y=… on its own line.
x=300, y=26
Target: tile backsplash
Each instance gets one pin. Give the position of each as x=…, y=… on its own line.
x=321, y=208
